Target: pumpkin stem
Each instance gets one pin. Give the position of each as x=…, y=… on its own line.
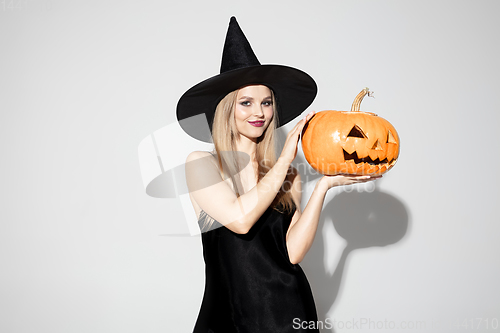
x=357, y=101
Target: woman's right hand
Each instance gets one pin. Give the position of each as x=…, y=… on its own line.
x=290, y=148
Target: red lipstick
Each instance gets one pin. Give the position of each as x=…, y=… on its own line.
x=258, y=123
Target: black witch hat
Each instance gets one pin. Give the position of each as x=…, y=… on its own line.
x=294, y=90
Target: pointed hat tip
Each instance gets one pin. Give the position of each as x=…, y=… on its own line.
x=233, y=24
x=233, y=21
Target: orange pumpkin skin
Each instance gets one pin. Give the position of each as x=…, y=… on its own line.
x=350, y=142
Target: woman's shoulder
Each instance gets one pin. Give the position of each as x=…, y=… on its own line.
x=202, y=159
x=201, y=163
x=197, y=154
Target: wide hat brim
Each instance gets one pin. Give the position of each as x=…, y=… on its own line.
x=294, y=91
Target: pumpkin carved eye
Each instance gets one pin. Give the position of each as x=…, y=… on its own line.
x=390, y=138
x=356, y=132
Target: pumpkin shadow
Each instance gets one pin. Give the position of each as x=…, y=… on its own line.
x=364, y=220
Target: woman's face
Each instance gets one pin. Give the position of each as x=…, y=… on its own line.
x=253, y=111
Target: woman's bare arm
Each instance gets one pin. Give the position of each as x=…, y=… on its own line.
x=303, y=227
x=220, y=202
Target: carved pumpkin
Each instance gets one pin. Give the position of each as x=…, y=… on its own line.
x=350, y=142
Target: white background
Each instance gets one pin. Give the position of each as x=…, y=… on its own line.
x=82, y=247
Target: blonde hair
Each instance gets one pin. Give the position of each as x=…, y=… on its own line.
x=265, y=154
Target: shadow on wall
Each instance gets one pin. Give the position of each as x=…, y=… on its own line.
x=363, y=220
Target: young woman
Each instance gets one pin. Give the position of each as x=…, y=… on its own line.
x=248, y=201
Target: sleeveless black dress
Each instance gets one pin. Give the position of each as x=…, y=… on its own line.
x=251, y=286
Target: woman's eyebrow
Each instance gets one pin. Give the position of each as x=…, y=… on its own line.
x=251, y=98
x=246, y=97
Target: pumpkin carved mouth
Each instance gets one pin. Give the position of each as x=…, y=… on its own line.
x=354, y=157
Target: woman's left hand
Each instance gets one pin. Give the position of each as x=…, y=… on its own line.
x=327, y=182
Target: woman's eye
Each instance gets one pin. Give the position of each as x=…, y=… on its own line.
x=245, y=103
x=267, y=103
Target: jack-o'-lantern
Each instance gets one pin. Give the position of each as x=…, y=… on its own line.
x=350, y=142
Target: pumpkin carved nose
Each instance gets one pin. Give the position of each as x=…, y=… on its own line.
x=377, y=146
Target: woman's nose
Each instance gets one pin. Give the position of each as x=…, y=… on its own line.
x=258, y=111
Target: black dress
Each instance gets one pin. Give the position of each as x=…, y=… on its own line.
x=251, y=286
